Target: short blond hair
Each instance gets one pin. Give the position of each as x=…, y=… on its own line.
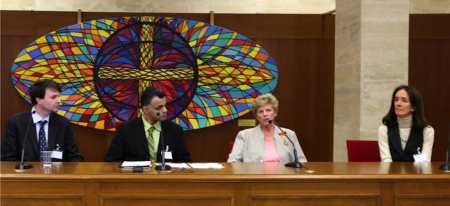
x=265, y=99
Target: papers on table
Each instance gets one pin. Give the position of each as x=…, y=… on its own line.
x=131, y=164
x=136, y=164
x=206, y=165
x=176, y=165
x=194, y=165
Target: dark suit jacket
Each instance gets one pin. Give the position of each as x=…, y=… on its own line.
x=59, y=132
x=130, y=142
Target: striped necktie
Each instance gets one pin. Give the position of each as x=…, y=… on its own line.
x=151, y=143
x=43, y=146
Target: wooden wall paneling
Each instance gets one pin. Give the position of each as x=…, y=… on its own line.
x=429, y=63
x=302, y=45
x=319, y=183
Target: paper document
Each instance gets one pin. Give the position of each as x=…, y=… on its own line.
x=176, y=165
x=136, y=164
x=206, y=165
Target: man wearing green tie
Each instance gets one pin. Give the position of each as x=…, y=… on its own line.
x=140, y=139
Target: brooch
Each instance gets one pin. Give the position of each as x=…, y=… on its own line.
x=283, y=134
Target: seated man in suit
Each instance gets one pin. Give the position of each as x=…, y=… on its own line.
x=41, y=127
x=140, y=139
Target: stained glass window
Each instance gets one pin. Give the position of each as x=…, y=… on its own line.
x=210, y=74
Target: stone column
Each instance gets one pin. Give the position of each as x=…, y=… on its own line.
x=371, y=60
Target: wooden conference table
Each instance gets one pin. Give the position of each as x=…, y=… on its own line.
x=319, y=183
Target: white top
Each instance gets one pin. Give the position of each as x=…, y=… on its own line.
x=405, y=128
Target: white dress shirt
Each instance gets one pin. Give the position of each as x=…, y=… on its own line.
x=36, y=118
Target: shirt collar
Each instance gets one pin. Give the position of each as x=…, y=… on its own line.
x=147, y=125
x=36, y=117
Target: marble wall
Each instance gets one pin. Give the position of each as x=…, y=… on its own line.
x=384, y=58
x=205, y=6
x=347, y=74
x=430, y=6
x=175, y=6
x=371, y=60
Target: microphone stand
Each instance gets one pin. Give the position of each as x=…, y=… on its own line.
x=295, y=163
x=163, y=166
x=22, y=165
x=446, y=165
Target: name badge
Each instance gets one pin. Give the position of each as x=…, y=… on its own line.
x=57, y=154
x=168, y=155
x=420, y=158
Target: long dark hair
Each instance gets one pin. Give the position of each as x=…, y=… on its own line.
x=415, y=99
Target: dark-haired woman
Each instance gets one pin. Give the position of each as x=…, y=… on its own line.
x=405, y=132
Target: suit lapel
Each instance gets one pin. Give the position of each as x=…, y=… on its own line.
x=394, y=137
x=283, y=145
x=32, y=136
x=259, y=139
x=162, y=134
x=52, y=131
x=280, y=140
x=141, y=134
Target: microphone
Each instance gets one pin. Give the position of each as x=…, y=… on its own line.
x=22, y=165
x=295, y=163
x=446, y=165
x=163, y=166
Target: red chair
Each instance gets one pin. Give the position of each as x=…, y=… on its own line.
x=363, y=151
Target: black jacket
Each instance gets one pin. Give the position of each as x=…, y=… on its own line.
x=130, y=142
x=59, y=132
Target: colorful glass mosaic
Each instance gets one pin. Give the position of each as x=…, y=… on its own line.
x=210, y=74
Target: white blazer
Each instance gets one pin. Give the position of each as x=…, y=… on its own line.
x=249, y=146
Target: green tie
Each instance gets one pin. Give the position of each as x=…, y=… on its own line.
x=151, y=143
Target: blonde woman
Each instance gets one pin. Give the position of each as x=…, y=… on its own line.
x=265, y=142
